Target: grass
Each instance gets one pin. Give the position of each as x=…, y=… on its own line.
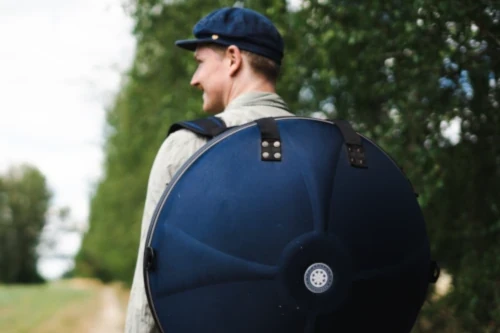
x=56, y=307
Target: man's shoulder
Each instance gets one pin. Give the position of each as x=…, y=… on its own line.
x=180, y=141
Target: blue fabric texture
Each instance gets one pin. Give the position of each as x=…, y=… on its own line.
x=243, y=27
x=234, y=236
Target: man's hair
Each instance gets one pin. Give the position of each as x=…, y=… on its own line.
x=260, y=64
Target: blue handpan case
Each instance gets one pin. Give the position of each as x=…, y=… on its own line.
x=287, y=225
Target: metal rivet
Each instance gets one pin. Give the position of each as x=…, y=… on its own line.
x=265, y=155
x=277, y=144
x=277, y=155
x=265, y=144
x=359, y=150
x=360, y=161
x=352, y=160
x=350, y=149
x=215, y=37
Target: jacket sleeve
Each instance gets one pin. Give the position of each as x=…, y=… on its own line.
x=174, y=151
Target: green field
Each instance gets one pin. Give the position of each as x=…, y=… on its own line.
x=46, y=308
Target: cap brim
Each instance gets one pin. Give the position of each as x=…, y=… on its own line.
x=191, y=44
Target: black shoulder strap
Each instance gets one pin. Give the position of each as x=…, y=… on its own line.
x=205, y=127
x=434, y=272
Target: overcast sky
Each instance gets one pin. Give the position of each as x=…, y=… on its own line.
x=60, y=65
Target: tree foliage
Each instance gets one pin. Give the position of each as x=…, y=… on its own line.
x=402, y=72
x=24, y=200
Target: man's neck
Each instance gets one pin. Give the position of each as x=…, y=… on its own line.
x=254, y=85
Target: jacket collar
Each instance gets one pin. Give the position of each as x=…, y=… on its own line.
x=256, y=99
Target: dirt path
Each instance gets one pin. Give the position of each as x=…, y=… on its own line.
x=102, y=311
x=110, y=315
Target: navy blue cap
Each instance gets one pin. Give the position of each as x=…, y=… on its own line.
x=242, y=27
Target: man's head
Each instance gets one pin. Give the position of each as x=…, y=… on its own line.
x=237, y=50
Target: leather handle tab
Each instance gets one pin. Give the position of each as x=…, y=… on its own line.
x=353, y=143
x=270, y=140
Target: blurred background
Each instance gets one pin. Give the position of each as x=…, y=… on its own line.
x=89, y=88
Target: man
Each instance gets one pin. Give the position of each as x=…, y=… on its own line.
x=239, y=53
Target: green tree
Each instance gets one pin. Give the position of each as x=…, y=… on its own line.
x=401, y=71
x=24, y=200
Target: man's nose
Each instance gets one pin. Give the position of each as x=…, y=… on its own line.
x=195, y=82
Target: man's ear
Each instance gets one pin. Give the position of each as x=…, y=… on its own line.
x=233, y=54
